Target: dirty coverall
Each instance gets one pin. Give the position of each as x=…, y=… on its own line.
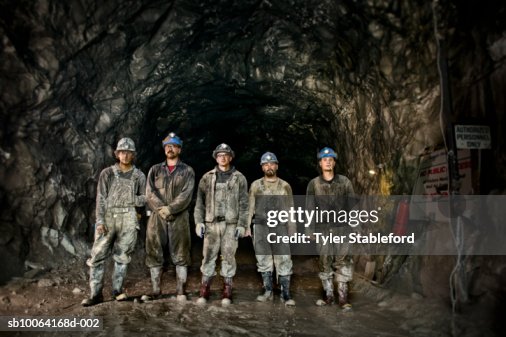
x=335, y=195
x=174, y=190
x=276, y=195
x=266, y=261
x=118, y=193
x=222, y=204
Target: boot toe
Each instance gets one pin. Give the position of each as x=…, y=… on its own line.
x=290, y=303
x=121, y=297
x=201, y=301
x=181, y=298
x=88, y=302
x=346, y=307
x=265, y=297
x=147, y=298
x=324, y=302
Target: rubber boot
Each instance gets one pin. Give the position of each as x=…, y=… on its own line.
x=267, y=295
x=181, y=275
x=226, y=297
x=156, y=276
x=285, y=290
x=118, y=277
x=205, y=289
x=342, y=290
x=328, y=287
x=96, y=284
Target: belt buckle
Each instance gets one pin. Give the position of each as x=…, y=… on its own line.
x=220, y=218
x=118, y=210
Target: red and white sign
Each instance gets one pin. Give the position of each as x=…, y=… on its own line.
x=432, y=184
x=433, y=173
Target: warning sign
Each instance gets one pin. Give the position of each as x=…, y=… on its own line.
x=433, y=173
x=432, y=184
x=472, y=136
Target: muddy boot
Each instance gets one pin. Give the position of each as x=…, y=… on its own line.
x=96, y=282
x=205, y=290
x=285, y=290
x=118, y=276
x=226, y=297
x=267, y=295
x=342, y=290
x=156, y=276
x=328, y=287
x=181, y=275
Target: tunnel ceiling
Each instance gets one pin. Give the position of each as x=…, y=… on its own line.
x=286, y=76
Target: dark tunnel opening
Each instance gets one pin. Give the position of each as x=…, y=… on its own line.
x=251, y=125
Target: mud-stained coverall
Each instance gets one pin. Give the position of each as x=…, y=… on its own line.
x=118, y=193
x=173, y=190
x=335, y=196
x=222, y=204
x=265, y=261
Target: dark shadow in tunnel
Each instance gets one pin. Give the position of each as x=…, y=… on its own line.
x=251, y=124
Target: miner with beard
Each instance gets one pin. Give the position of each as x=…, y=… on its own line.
x=331, y=191
x=169, y=192
x=271, y=192
x=221, y=215
x=120, y=190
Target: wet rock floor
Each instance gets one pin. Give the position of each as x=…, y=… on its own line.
x=376, y=311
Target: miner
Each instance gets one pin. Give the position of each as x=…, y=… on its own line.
x=120, y=190
x=267, y=193
x=331, y=191
x=169, y=192
x=221, y=217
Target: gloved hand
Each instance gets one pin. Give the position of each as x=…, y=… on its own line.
x=248, y=232
x=164, y=212
x=101, y=229
x=239, y=232
x=200, y=229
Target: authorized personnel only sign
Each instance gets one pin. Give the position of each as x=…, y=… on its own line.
x=472, y=136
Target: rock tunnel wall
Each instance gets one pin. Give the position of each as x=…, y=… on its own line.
x=286, y=76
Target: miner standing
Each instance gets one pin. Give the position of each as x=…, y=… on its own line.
x=120, y=189
x=169, y=192
x=274, y=193
x=331, y=191
x=221, y=215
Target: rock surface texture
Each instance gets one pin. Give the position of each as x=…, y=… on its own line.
x=289, y=76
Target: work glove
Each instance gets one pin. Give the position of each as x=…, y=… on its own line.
x=101, y=229
x=200, y=230
x=239, y=232
x=164, y=212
